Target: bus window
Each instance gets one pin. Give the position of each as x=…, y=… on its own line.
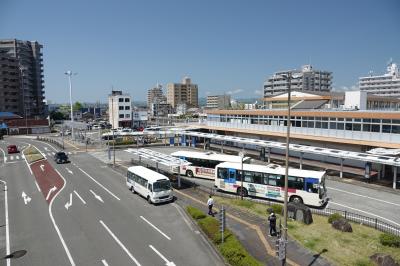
x=276, y=180
x=311, y=186
x=295, y=182
x=150, y=188
x=232, y=174
x=222, y=173
x=248, y=176
x=258, y=178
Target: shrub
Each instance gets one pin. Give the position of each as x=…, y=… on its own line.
x=389, y=240
x=244, y=203
x=210, y=226
x=195, y=213
x=277, y=208
x=334, y=217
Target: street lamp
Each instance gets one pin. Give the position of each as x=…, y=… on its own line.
x=241, y=155
x=69, y=74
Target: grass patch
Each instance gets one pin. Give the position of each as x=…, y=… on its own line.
x=32, y=154
x=231, y=248
x=342, y=248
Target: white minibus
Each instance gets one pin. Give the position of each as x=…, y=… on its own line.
x=153, y=186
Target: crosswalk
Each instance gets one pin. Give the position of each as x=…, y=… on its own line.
x=20, y=156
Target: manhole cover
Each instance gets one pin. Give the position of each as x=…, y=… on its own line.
x=16, y=254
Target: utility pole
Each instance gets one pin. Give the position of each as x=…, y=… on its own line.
x=69, y=74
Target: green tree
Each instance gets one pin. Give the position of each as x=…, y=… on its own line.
x=56, y=115
x=77, y=106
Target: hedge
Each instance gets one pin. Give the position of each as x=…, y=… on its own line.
x=390, y=240
x=231, y=249
x=333, y=217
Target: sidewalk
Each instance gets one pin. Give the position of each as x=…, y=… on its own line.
x=251, y=230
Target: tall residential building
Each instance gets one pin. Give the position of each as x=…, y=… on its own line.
x=10, y=100
x=218, y=101
x=306, y=79
x=387, y=84
x=155, y=95
x=30, y=67
x=119, y=109
x=180, y=93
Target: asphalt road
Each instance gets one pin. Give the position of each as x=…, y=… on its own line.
x=91, y=218
x=375, y=203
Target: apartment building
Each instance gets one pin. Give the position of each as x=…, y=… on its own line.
x=10, y=100
x=29, y=56
x=183, y=93
x=119, y=109
x=306, y=79
x=155, y=95
x=218, y=101
x=387, y=84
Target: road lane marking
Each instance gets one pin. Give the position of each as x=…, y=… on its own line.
x=26, y=198
x=94, y=180
x=27, y=164
x=71, y=260
x=54, y=188
x=383, y=218
x=183, y=216
x=69, y=171
x=104, y=262
x=17, y=157
x=363, y=196
x=79, y=196
x=37, y=185
x=167, y=263
x=152, y=225
x=96, y=196
x=69, y=203
x=42, y=167
x=11, y=157
x=7, y=224
x=4, y=155
x=120, y=243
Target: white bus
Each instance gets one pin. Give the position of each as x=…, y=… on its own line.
x=268, y=181
x=153, y=186
x=202, y=164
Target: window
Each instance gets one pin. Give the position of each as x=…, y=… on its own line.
x=127, y=108
x=127, y=116
x=395, y=129
x=375, y=128
x=275, y=180
x=367, y=127
x=332, y=125
x=258, y=178
x=120, y=108
x=356, y=127
x=127, y=100
x=248, y=176
x=121, y=116
x=121, y=100
x=222, y=173
x=296, y=182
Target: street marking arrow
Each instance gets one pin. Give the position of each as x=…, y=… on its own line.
x=68, y=204
x=50, y=191
x=69, y=171
x=167, y=263
x=46, y=148
x=25, y=197
x=42, y=167
x=97, y=196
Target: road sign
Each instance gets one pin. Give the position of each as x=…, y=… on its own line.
x=281, y=248
x=222, y=223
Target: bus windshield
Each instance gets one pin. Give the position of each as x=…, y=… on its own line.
x=161, y=186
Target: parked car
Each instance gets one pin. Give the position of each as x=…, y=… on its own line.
x=95, y=127
x=12, y=149
x=61, y=157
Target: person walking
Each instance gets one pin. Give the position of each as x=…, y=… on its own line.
x=210, y=203
x=272, y=224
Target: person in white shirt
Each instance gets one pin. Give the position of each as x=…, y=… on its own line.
x=210, y=203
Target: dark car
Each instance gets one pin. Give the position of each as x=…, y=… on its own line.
x=12, y=149
x=61, y=157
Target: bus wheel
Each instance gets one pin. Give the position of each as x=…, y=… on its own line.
x=239, y=191
x=189, y=173
x=296, y=199
x=149, y=200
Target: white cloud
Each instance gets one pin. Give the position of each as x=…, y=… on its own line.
x=259, y=92
x=232, y=92
x=346, y=88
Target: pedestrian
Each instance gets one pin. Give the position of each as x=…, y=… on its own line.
x=210, y=203
x=272, y=224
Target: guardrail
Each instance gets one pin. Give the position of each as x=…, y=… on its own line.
x=53, y=141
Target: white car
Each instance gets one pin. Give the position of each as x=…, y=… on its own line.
x=95, y=127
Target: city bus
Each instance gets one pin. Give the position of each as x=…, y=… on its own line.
x=268, y=181
x=153, y=186
x=202, y=164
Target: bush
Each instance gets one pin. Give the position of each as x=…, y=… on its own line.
x=210, y=226
x=390, y=240
x=276, y=208
x=195, y=213
x=334, y=217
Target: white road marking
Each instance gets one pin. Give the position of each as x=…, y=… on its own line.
x=11, y=157
x=383, y=218
x=42, y=167
x=112, y=194
x=50, y=191
x=46, y=148
x=46, y=144
x=7, y=224
x=27, y=164
x=53, y=153
x=96, y=196
x=26, y=198
x=167, y=263
x=152, y=225
x=17, y=157
x=183, y=216
x=363, y=196
x=37, y=185
x=104, y=262
x=4, y=155
x=69, y=171
x=120, y=243
x=69, y=203
x=71, y=260
x=23, y=156
x=76, y=193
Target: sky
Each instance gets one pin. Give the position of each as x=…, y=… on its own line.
x=224, y=46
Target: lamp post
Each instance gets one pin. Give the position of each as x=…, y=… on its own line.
x=69, y=74
x=23, y=69
x=241, y=155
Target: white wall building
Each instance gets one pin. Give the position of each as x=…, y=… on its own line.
x=119, y=109
x=355, y=100
x=218, y=101
x=383, y=85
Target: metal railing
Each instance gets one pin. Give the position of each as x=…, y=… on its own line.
x=50, y=140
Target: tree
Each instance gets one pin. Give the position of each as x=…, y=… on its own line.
x=56, y=115
x=77, y=106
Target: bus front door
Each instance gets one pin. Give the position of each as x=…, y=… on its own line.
x=231, y=176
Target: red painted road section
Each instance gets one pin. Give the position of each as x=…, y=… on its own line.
x=47, y=178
